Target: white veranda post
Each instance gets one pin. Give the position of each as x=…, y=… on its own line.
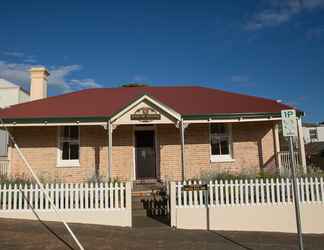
x=277, y=146
x=301, y=144
x=110, y=130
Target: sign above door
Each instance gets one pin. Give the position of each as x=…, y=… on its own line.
x=145, y=114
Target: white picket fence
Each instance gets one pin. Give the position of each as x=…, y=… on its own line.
x=90, y=200
x=254, y=204
x=250, y=192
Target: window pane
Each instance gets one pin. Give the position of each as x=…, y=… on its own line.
x=225, y=147
x=215, y=149
x=65, y=151
x=74, y=151
x=65, y=132
x=74, y=132
x=219, y=139
x=218, y=129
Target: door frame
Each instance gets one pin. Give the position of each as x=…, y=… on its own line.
x=149, y=127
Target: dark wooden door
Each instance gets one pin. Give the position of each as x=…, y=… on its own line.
x=145, y=155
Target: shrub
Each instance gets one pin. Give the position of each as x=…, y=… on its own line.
x=19, y=180
x=101, y=179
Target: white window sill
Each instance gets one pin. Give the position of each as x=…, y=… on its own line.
x=68, y=164
x=221, y=159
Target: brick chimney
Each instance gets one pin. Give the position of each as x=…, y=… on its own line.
x=38, y=83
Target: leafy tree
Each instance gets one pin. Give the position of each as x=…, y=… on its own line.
x=132, y=85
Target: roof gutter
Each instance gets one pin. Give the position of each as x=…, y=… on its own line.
x=102, y=120
x=56, y=121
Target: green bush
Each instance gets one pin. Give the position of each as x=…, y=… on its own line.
x=101, y=179
x=19, y=180
x=212, y=175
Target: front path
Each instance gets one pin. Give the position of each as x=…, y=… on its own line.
x=19, y=234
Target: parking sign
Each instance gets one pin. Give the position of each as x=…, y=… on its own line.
x=289, y=122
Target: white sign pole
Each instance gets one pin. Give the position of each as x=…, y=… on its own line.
x=289, y=126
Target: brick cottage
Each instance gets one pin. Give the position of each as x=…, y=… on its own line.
x=140, y=133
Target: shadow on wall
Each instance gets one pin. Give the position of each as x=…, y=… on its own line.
x=256, y=133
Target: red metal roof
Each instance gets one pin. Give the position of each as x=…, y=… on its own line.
x=104, y=102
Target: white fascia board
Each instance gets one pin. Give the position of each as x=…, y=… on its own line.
x=233, y=120
x=53, y=124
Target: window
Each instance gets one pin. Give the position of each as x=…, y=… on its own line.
x=220, y=142
x=69, y=146
x=313, y=134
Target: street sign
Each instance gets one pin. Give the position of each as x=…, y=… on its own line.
x=289, y=129
x=195, y=187
x=289, y=122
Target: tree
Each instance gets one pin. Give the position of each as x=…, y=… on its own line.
x=132, y=85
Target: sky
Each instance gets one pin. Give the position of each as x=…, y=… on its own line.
x=268, y=48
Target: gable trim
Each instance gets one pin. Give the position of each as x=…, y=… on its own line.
x=148, y=98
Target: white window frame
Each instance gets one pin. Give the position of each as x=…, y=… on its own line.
x=60, y=161
x=225, y=157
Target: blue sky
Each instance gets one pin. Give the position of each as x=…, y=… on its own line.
x=269, y=48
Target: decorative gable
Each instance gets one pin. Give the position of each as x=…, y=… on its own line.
x=145, y=111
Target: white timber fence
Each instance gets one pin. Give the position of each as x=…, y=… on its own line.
x=94, y=203
x=249, y=205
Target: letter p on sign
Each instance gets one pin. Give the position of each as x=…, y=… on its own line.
x=289, y=122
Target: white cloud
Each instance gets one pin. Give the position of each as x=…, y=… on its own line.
x=139, y=78
x=281, y=11
x=59, y=76
x=85, y=83
x=13, y=54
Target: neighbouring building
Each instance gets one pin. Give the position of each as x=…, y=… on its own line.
x=313, y=132
x=140, y=133
x=314, y=140
x=10, y=94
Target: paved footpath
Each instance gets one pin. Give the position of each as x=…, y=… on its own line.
x=21, y=234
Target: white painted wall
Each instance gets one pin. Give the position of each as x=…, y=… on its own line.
x=10, y=94
x=8, y=97
x=265, y=218
x=122, y=218
x=320, y=133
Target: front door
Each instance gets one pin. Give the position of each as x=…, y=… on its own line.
x=145, y=155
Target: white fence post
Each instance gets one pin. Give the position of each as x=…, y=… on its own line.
x=129, y=196
x=173, y=208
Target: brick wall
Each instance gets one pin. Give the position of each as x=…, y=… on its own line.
x=122, y=153
x=253, y=148
x=170, y=152
x=39, y=145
